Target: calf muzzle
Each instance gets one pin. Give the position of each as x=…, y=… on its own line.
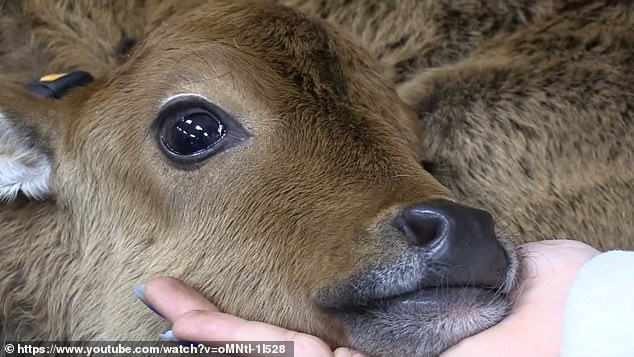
x=460, y=240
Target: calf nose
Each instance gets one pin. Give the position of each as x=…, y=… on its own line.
x=459, y=242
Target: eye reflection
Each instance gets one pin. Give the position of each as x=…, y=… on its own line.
x=193, y=133
x=191, y=130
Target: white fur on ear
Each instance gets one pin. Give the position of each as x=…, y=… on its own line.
x=23, y=167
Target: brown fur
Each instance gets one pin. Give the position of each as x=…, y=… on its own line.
x=526, y=106
x=484, y=87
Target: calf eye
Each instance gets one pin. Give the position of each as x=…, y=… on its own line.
x=192, y=132
x=191, y=129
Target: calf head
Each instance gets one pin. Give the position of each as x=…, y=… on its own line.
x=258, y=155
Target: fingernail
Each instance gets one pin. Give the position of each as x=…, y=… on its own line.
x=167, y=336
x=139, y=292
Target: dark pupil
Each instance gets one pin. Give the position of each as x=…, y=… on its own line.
x=193, y=133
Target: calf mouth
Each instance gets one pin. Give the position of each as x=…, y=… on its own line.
x=393, y=311
x=424, y=323
x=427, y=299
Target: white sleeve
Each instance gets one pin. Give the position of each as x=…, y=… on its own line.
x=599, y=313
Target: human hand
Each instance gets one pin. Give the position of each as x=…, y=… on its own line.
x=533, y=327
x=194, y=318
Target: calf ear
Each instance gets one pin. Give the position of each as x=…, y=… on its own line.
x=27, y=123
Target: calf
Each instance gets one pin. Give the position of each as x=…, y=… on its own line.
x=258, y=155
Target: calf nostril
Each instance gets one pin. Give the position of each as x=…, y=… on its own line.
x=420, y=227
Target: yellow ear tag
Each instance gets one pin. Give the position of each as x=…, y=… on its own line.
x=52, y=77
x=57, y=84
